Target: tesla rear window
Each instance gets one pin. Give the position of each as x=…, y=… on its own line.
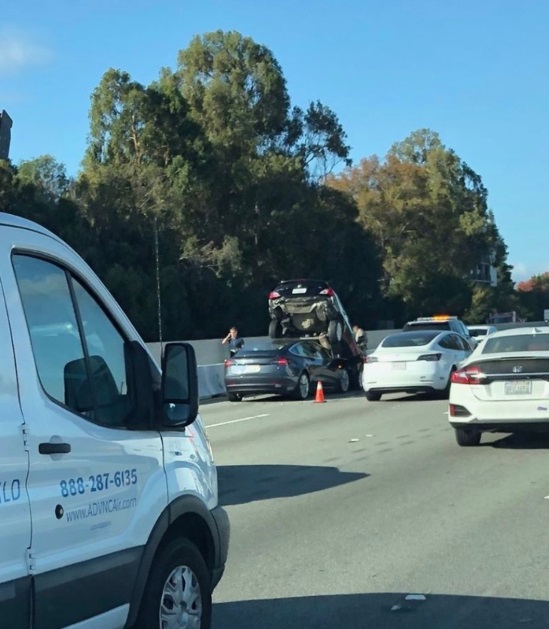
x=517, y=343
x=443, y=325
x=410, y=339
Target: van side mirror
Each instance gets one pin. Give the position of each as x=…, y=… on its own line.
x=179, y=393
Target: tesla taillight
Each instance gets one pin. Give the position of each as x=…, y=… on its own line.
x=430, y=357
x=468, y=375
x=281, y=361
x=327, y=291
x=274, y=295
x=229, y=363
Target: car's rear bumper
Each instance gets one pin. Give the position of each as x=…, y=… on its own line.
x=525, y=425
x=402, y=389
x=261, y=384
x=413, y=378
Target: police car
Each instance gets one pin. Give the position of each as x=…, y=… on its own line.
x=441, y=322
x=109, y=513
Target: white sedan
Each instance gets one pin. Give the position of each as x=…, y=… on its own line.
x=503, y=386
x=481, y=332
x=417, y=361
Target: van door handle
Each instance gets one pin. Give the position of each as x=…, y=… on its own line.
x=54, y=448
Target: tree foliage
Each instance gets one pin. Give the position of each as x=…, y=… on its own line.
x=237, y=185
x=427, y=210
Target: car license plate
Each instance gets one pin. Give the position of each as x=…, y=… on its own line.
x=399, y=365
x=251, y=368
x=299, y=291
x=518, y=387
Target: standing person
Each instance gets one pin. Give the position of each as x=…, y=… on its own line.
x=361, y=338
x=235, y=342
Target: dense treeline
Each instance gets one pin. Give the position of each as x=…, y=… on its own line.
x=241, y=189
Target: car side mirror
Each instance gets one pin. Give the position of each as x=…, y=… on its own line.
x=179, y=393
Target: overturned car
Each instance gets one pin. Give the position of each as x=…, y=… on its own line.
x=311, y=308
x=306, y=308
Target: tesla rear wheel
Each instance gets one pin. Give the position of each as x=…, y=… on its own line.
x=467, y=438
x=344, y=381
x=234, y=397
x=303, y=387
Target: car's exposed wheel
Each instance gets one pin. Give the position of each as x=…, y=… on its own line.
x=445, y=393
x=335, y=331
x=303, y=387
x=373, y=397
x=467, y=438
x=275, y=329
x=356, y=378
x=234, y=397
x=178, y=592
x=344, y=381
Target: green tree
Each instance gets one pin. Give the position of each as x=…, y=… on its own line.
x=427, y=212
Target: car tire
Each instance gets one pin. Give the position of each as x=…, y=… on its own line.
x=344, y=381
x=303, y=388
x=372, y=397
x=234, y=397
x=444, y=394
x=179, y=565
x=275, y=329
x=335, y=331
x=467, y=438
x=356, y=378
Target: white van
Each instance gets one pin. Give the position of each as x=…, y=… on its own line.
x=109, y=513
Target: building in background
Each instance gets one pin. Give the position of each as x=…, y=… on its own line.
x=5, y=134
x=486, y=272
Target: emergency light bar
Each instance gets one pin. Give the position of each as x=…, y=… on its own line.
x=437, y=318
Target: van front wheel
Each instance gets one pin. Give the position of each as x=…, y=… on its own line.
x=178, y=593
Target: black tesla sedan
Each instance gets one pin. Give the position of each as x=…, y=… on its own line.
x=287, y=367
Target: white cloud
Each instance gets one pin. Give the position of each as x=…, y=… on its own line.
x=19, y=50
x=520, y=271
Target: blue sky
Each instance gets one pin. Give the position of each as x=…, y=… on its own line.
x=476, y=72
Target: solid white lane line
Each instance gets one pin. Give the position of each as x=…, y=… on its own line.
x=236, y=421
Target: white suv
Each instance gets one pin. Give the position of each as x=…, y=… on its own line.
x=109, y=513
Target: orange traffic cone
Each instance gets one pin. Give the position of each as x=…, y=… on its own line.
x=319, y=398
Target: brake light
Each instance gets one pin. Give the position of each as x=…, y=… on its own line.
x=274, y=295
x=370, y=359
x=430, y=357
x=281, y=361
x=327, y=291
x=468, y=375
x=229, y=363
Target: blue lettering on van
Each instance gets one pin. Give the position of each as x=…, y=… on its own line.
x=97, y=483
x=10, y=491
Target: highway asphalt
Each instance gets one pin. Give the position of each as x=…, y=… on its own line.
x=363, y=515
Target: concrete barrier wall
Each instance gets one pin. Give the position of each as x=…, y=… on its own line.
x=211, y=354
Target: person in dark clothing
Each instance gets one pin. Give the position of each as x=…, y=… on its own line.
x=234, y=341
